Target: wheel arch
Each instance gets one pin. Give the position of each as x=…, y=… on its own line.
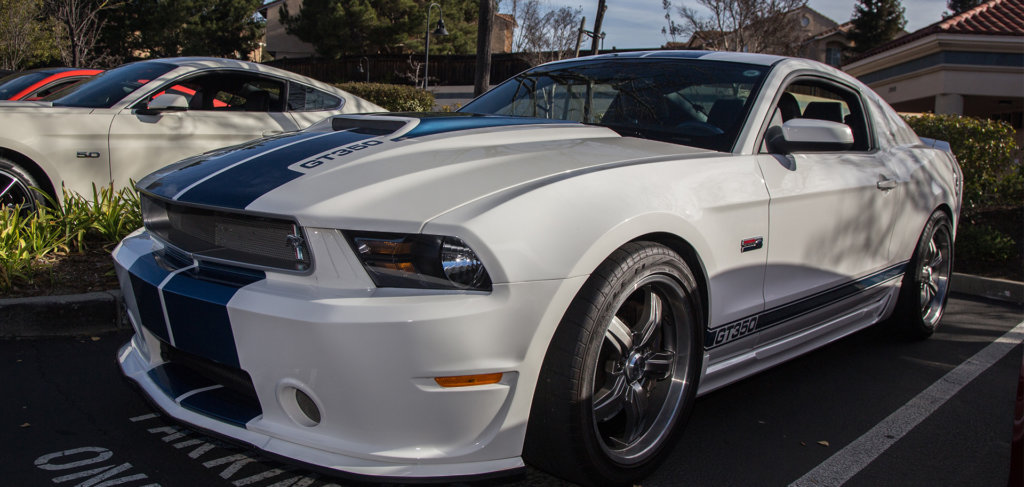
x=945, y=208
x=689, y=254
x=33, y=169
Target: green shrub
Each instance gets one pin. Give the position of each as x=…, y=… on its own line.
x=986, y=150
x=983, y=243
x=396, y=98
x=73, y=225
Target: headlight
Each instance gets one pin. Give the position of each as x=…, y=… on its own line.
x=419, y=261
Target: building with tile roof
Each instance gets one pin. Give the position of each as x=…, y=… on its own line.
x=969, y=64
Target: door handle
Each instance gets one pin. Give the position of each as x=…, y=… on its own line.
x=886, y=184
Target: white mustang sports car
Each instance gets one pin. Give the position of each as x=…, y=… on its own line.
x=130, y=121
x=550, y=276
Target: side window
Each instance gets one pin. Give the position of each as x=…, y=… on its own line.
x=303, y=98
x=55, y=88
x=229, y=91
x=819, y=99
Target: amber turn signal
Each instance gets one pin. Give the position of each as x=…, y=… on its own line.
x=468, y=380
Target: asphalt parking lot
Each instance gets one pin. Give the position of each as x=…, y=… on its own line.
x=871, y=409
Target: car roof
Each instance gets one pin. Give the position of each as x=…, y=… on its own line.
x=735, y=57
x=200, y=63
x=55, y=70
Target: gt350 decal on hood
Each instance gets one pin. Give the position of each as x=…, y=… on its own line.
x=213, y=179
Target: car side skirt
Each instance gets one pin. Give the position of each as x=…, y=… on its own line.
x=816, y=320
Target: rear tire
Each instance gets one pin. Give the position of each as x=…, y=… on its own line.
x=925, y=286
x=16, y=187
x=620, y=376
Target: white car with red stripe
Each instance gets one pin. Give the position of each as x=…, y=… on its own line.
x=551, y=276
x=130, y=121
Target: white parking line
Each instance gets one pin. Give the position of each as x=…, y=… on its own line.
x=846, y=463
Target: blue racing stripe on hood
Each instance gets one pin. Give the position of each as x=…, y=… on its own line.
x=238, y=186
x=430, y=125
x=169, y=181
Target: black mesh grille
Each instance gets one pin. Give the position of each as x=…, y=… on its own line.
x=238, y=238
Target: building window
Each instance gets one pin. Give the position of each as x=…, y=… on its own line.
x=833, y=55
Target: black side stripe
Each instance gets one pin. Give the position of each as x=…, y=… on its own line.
x=781, y=314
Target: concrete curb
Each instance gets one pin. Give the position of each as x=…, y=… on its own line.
x=986, y=287
x=69, y=315
x=101, y=312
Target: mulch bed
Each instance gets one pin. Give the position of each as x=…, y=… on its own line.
x=70, y=274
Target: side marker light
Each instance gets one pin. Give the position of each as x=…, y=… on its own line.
x=468, y=380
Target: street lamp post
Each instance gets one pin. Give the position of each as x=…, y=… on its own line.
x=366, y=69
x=439, y=31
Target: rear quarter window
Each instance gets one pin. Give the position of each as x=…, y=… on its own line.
x=303, y=98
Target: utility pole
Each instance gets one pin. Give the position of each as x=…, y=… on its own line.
x=601, y=7
x=579, y=35
x=482, y=77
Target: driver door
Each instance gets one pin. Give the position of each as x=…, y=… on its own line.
x=224, y=108
x=831, y=217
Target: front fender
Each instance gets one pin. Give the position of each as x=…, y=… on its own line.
x=565, y=228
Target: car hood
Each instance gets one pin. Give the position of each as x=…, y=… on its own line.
x=396, y=172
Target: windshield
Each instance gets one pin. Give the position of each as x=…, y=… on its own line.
x=110, y=87
x=13, y=84
x=691, y=102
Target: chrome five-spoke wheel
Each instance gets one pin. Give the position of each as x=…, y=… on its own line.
x=640, y=378
x=620, y=376
x=933, y=275
x=926, y=283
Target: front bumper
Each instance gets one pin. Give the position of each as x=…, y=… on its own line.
x=229, y=358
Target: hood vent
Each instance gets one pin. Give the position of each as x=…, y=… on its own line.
x=368, y=125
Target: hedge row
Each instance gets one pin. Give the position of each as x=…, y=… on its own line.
x=990, y=239
x=988, y=155
x=395, y=98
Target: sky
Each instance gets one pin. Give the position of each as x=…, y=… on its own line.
x=638, y=23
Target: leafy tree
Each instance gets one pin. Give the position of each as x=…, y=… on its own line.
x=960, y=6
x=24, y=37
x=876, y=22
x=344, y=27
x=338, y=27
x=460, y=18
x=223, y=28
x=162, y=28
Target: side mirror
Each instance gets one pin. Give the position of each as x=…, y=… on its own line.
x=808, y=135
x=167, y=102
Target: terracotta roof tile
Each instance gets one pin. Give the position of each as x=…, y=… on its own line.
x=996, y=17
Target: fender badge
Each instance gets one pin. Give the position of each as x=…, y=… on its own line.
x=748, y=244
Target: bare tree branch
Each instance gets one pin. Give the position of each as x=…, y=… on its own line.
x=545, y=35
x=81, y=24
x=739, y=25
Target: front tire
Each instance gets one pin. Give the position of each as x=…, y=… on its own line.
x=925, y=286
x=16, y=187
x=620, y=376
